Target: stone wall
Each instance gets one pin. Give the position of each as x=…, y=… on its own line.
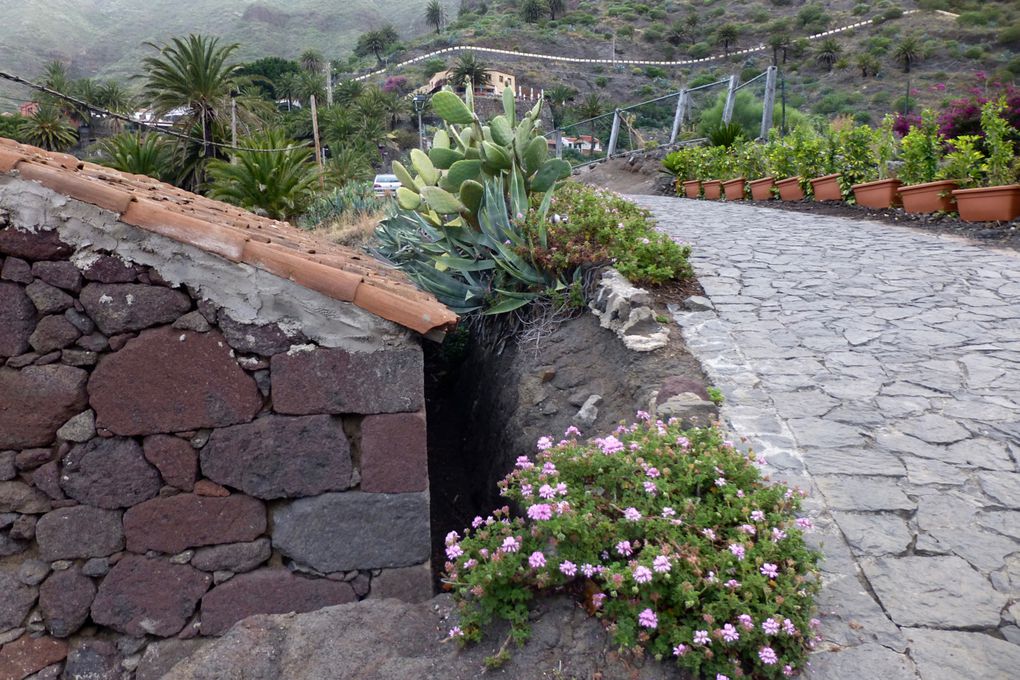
x=167, y=469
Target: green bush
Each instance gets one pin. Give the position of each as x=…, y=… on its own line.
x=671, y=537
x=348, y=202
x=921, y=151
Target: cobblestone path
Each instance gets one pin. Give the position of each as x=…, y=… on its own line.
x=878, y=367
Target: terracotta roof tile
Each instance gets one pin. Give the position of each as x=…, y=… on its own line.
x=234, y=234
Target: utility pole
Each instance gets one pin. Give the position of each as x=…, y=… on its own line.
x=329, y=82
x=233, y=122
x=782, y=90
x=315, y=137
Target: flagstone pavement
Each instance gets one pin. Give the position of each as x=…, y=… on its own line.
x=878, y=367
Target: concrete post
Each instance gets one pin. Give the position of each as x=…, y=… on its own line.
x=678, y=117
x=731, y=92
x=559, y=143
x=769, y=104
x=613, y=136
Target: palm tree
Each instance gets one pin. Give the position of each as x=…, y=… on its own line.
x=558, y=96
x=348, y=164
x=278, y=184
x=676, y=34
x=48, y=129
x=312, y=61
x=868, y=64
x=828, y=52
x=346, y=92
x=555, y=7
x=591, y=106
x=532, y=10
x=779, y=43
x=372, y=42
x=908, y=52
x=194, y=73
x=395, y=107
x=727, y=34
x=434, y=15
x=287, y=86
x=468, y=70
x=139, y=154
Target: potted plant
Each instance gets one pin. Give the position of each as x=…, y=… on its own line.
x=1000, y=200
x=788, y=158
x=876, y=189
x=716, y=159
x=922, y=191
x=751, y=160
x=683, y=165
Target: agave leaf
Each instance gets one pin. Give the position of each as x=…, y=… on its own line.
x=507, y=304
x=450, y=108
x=518, y=193
x=465, y=264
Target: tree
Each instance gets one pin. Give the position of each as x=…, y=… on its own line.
x=555, y=7
x=868, y=64
x=376, y=42
x=532, y=10
x=591, y=106
x=278, y=184
x=677, y=34
x=828, y=52
x=435, y=15
x=727, y=34
x=779, y=43
x=47, y=128
x=312, y=61
x=348, y=164
x=139, y=154
x=267, y=73
x=908, y=52
x=347, y=92
x=194, y=73
x=468, y=70
x=558, y=96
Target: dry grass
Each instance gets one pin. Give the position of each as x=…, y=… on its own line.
x=355, y=231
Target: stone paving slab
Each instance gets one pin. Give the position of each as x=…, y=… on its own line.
x=878, y=367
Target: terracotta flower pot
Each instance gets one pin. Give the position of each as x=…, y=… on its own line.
x=734, y=189
x=713, y=189
x=761, y=189
x=880, y=194
x=692, y=188
x=989, y=204
x=790, y=189
x=929, y=197
x=826, y=188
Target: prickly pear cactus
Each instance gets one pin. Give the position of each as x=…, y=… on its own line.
x=446, y=185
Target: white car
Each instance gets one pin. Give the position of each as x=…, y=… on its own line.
x=385, y=185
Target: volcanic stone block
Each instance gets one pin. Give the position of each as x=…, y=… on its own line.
x=280, y=456
x=148, y=596
x=53, y=332
x=175, y=523
x=17, y=319
x=110, y=269
x=28, y=654
x=17, y=496
x=171, y=381
x=36, y=401
x=265, y=340
x=353, y=530
x=65, y=599
x=33, y=245
x=268, y=591
x=175, y=458
x=48, y=299
x=410, y=584
x=337, y=381
x=124, y=307
x=93, y=659
x=79, y=532
x=109, y=473
x=235, y=557
x=16, y=601
x=394, y=453
x=62, y=274
x=17, y=270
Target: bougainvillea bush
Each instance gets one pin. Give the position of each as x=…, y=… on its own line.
x=671, y=537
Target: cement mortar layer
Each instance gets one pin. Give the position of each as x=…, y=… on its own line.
x=247, y=294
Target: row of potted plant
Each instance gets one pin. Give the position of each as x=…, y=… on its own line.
x=974, y=175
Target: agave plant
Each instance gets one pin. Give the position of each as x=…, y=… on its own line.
x=459, y=232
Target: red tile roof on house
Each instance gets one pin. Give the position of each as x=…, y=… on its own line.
x=234, y=234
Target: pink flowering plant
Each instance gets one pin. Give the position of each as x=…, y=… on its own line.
x=673, y=538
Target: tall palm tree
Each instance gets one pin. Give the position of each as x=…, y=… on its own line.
x=727, y=34
x=468, y=69
x=779, y=43
x=532, y=10
x=868, y=64
x=592, y=106
x=346, y=92
x=677, y=33
x=558, y=96
x=279, y=184
x=434, y=15
x=312, y=61
x=373, y=42
x=195, y=73
x=908, y=52
x=555, y=7
x=828, y=53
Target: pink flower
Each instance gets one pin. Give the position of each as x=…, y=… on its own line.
x=805, y=523
x=527, y=490
x=544, y=443
x=609, y=445
x=720, y=676
x=683, y=442
x=788, y=670
x=562, y=507
x=540, y=511
x=668, y=512
x=732, y=584
x=477, y=522
x=652, y=472
x=701, y=637
x=789, y=628
x=737, y=550
x=728, y=444
x=651, y=489
x=680, y=650
x=757, y=515
x=642, y=574
x=648, y=619
x=546, y=491
x=561, y=489
x=777, y=534
x=643, y=415
x=452, y=538
x=661, y=564
x=572, y=431
x=536, y=560
x=597, y=599
x=770, y=570
x=470, y=564
x=588, y=570
x=454, y=551
x=631, y=514
x=748, y=529
x=511, y=544
x=549, y=469
x=720, y=482
x=729, y=633
x=708, y=533
x=768, y=656
x=524, y=463
x=568, y=568
x=770, y=626
x=456, y=632
x=746, y=621
x=624, y=548
x=711, y=578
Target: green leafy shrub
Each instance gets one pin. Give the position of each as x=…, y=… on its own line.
x=999, y=163
x=349, y=202
x=593, y=225
x=921, y=151
x=963, y=163
x=671, y=537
